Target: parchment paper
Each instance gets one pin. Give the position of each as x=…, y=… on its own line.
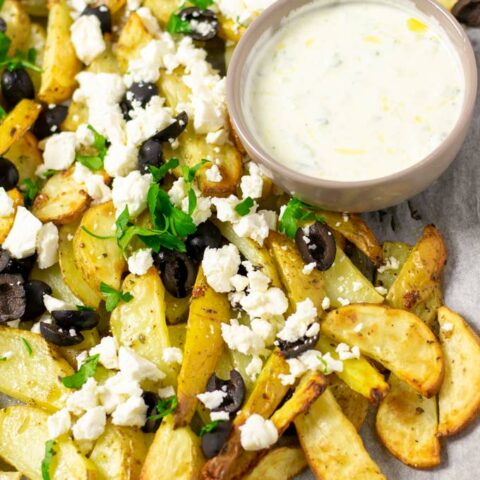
x=453, y=204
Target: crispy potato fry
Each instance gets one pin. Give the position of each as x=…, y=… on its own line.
x=54, y=279
x=400, y=252
x=61, y=200
x=6, y=223
x=17, y=122
x=407, y=425
x=34, y=379
x=99, y=260
x=333, y=448
x=23, y=434
x=119, y=453
x=25, y=155
x=175, y=454
x=421, y=271
x=203, y=346
x=18, y=24
x=397, y=339
x=427, y=310
x=60, y=62
x=459, y=396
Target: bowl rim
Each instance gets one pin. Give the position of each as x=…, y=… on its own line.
x=262, y=23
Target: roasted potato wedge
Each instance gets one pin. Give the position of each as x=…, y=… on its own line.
x=407, y=425
x=176, y=309
x=54, y=279
x=25, y=155
x=397, y=339
x=38, y=8
x=35, y=378
x=23, y=434
x=119, y=453
x=175, y=454
x=18, y=24
x=421, y=272
x=459, y=396
x=203, y=346
x=427, y=310
x=162, y=10
x=332, y=446
x=99, y=260
x=6, y=223
x=400, y=252
x=60, y=62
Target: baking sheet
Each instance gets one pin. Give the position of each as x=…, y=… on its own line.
x=453, y=205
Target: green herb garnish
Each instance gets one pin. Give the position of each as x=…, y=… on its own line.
x=165, y=407
x=99, y=237
x=208, y=427
x=188, y=174
x=3, y=112
x=202, y=4
x=295, y=215
x=158, y=173
x=20, y=59
x=84, y=308
x=30, y=189
x=27, y=346
x=95, y=162
x=176, y=25
x=87, y=370
x=47, y=458
x=244, y=207
x=113, y=297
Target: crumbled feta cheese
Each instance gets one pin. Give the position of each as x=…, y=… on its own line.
x=84, y=399
x=254, y=226
x=219, y=137
x=381, y=290
x=132, y=413
x=59, y=423
x=219, y=416
x=107, y=351
x=212, y=400
x=84, y=136
x=220, y=265
x=94, y=184
x=297, y=324
x=213, y=174
x=345, y=353
x=265, y=304
x=53, y=304
x=254, y=368
x=308, y=268
x=166, y=392
x=258, y=281
x=252, y=184
x=87, y=38
x=264, y=329
x=131, y=191
x=325, y=303
x=447, y=327
x=47, y=245
x=59, y=151
x=148, y=20
x=270, y=218
x=137, y=367
x=6, y=203
x=257, y=433
x=140, y=261
x=358, y=328
x=242, y=12
x=343, y=301
x=390, y=264
x=146, y=67
x=226, y=208
x=117, y=389
x=120, y=160
x=172, y=355
x=21, y=241
x=239, y=282
x=241, y=338
x=90, y=425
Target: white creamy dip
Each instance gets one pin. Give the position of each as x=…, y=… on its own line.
x=354, y=90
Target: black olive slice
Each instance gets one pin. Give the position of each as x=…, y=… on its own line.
x=17, y=85
x=78, y=319
x=9, y=175
x=203, y=23
x=212, y=442
x=174, y=130
x=102, y=12
x=49, y=121
x=150, y=154
x=206, y=236
x=467, y=12
x=12, y=297
x=5, y=259
x=295, y=349
x=151, y=399
x=34, y=292
x=23, y=266
x=316, y=244
x=178, y=272
x=234, y=388
x=63, y=338
x=140, y=93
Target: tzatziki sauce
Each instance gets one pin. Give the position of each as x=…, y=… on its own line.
x=353, y=90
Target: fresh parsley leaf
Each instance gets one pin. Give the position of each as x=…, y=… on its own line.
x=3, y=359
x=30, y=189
x=113, y=297
x=208, y=427
x=244, y=207
x=202, y=4
x=192, y=201
x=1, y=3
x=3, y=113
x=295, y=214
x=5, y=43
x=165, y=407
x=27, y=346
x=84, y=308
x=176, y=25
x=95, y=162
x=48, y=173
x=87, y=370
x=94, y=235
x=47, y=458
x=20, y=59
x=188, y=174
x=158, y=173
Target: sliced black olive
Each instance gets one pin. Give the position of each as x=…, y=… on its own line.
x=234, y=388
x=212, y=442
x=150, y=154
x=63, y=338
x=467, y=12
x=151, y=399
x=215, y=49
x=34, y=292
x=295, y=349
x=12, y=297
x=23, y=266
x=139, y=92
x=103, y=14
x=78, y=319
x=17, y=85
x=8, y=174
x=174, y=130
x=316, y=244
x=3, y=25
x=49, y=121
x=203, y=23
x=206, y=235
x=177, y=271
x=5, y=259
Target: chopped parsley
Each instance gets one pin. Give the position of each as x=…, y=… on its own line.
x=27, y=346
x=20, y=59
x=164, y=407
x=47, y=458
x=95, y=162
x=84, y=308
x=295, y=214
x=99, y=237
x=188, y=174
x=30, y=189
x=202, y=4
x=244, y=207
x=158, y=173
x=208, y=427
x=176, y=25
x=87, y=370
x=3, y=113
x=113, y=297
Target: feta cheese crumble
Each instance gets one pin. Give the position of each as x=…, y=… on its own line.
x=131, y=191
x=59, y=423
x=220, y=265
x=59, y=151
x=21, y=241
x=257, y=433
x=87, y=38
x=6, y=203
x=90, y=425
x=47, y=246
x=140, y=261
x=172, y=355
x=212, y=400
x=299, y=324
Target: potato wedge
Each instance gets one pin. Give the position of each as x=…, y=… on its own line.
x=18, y=24
x=358, y=373
x=115, y=5
x=203, y=346
x=53, y=277
x=176, y=309
x=6, y=223
x=175, y=454
x=23, y=434
x=119, y=453
x=400, y=252
x=99, y=260
x=459, y=397
x=162, y=10
x=421, y=272
x=61, y=200
x=427, y=310
x=25, y=155
x=17, y=122
x=178, y=335
x=60, y=62
x=407, y=425
x=34, y=379
x=37, y=8
x=397, y=339
x=333, y=448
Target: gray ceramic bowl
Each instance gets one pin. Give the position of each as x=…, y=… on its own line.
x=351, y=196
